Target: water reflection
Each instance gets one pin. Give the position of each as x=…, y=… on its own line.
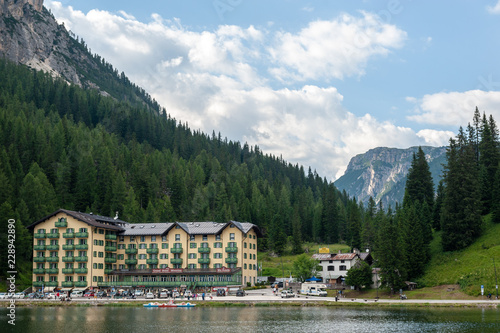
x=250, y=319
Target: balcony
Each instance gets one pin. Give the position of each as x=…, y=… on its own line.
x=110, y=260
x=110, y=236
x=82, y=258
x=107, y=270
x=82, y=235
x=130, y=261
x=52, y=247
x=68, y=247
x=152, y=261
x=52, y=259
x=231, y=260
x=176, y=261
x=51, y=284
x=204, y=260
x=110, y=248
x=52, y=235
x=39, y=235
x=203, y=250
x=61, y=223
x=68, y=259
x=231, y=249
x=69, y=235
x=38, y=271
x=81, y=246
x=81, y=270
x=176, y=250
x=131, y=251
x=38, y=283
x=39, y=247
x=68, y=270
x=67, y=284
x=51, y=271
x=80, y=283
x=150, y=251
x=39, y=259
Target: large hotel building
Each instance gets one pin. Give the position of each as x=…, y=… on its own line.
x=79, y=250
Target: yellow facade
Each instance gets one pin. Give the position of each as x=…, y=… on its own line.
x=71, y=253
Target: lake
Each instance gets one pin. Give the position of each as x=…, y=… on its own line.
x=251, y=319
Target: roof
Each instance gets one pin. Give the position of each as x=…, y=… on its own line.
x=364, y=255
x=323, y=256
x=90, y=219
x=345, y=256
x=146, y=229
x=202, y=228
x=245, y=227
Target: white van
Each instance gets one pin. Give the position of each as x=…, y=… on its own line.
x=77, y=293
x=313, y=289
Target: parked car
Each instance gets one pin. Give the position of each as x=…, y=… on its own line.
x=150, y=296
x=221, y=292
x=188, y=293
x=77, y=293
x=139, y=293
x=102, y=294
x=18, y=295
x=175, y=294
x=50, y=296
x=277, y=284
x=287, y=294
x=240, y=292
x=164, y=293
x=3, y=295
x=89, y=294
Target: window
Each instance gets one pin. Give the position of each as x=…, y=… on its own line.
x=204, y=245
x=178, y=245
x=331, y=268
x=164, y=245
x=153, y=238
x=192, y=256
x=163, y=266
x=83, y=229
x=342, y=261
x=121, y=246
x=192, y=266
x=131, y=246
x=101, y=254
x=192, y=245
x=244, y=255
x=142, y=256
x=153, y=246
x=192, y=238
x=177, y=237
x=164, y=256
x=143, y=246
x=217, y=265
x=231, y=236
x=164, y=238
x=205, y=237
x=217, y=237
x=95, y=254
x=342, y=268
x=120, y=257
x=101, y=231
x=218, y=245
x=132, y=238
x=245, y=266
x=70, y=230
x=122, y=238
x=245, y=245
x=217, y=255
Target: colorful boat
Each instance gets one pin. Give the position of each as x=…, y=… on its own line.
x=170, y=304
x=185, y=305
x=152, y=305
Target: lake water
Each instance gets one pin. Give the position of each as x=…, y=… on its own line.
x=250, y=319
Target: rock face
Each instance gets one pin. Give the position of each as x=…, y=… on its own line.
x=381, y=173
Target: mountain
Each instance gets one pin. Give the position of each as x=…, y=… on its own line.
x=30, y=35
x=381, y=173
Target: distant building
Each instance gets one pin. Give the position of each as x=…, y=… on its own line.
x=79, y=250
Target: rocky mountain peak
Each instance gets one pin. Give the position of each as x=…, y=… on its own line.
x=16, y=7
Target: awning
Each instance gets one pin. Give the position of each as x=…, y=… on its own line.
x=313, y=279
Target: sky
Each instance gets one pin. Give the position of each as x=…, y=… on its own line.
x=316, y=82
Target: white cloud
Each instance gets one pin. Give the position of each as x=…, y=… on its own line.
x=334, y=49
x=495, y=9
x=218, y=80
x=456, y=108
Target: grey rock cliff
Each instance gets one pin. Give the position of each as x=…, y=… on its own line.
x=381, y=173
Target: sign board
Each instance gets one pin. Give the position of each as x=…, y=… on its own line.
x=167, y=270
x=324, y=250
x=223, y=270
x=482, y=290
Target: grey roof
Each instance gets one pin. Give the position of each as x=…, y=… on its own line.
x=143, y=229
x=202, y=228
x=90, y=219
x=323, y=256
x=245, y=227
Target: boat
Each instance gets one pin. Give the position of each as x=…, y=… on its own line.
x=152, y=305
x=185, y=305
x=170, y=304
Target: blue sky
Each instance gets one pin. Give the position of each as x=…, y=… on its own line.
x=316, y=82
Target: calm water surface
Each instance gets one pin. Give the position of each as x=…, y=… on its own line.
x=250, y=319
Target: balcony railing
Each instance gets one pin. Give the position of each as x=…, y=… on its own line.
x=69, y=235
x=203, y=250
x=51, y=271
x=68, y=259
x=39, y=259
x=38, y=271
x=110, y=260
x=176, y=261
x=155, y=250
x=80, y=283
x=39, y=235
x=52, y=235
x=130, y=261
x=52, y=247
x=82, y=258
x=67, y=284
x=130, y=251
x=176, y=250
x=231, y=249
x=81, y=235
x=204, y=260
x=68, y=270
x=107, y=270
x=38, y=283
x=152, y=261
x=39, y=247
x=110, y=236
x=51, y=284
x=52, y=259
x=110, y=248
x=81, y=246
x=68, y=247
x=167, y=284
x=61, y=224
x=81, y=270
x=231, y=260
